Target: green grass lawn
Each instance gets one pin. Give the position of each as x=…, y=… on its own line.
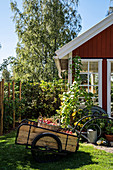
x=16, y=157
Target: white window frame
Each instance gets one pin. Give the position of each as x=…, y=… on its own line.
x=99, y=78
x=109, y=86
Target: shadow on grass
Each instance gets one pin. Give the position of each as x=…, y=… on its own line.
x=72, y=161
x=17, y=157
x=12, y=134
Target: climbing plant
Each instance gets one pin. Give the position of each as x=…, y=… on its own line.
x=72, y=100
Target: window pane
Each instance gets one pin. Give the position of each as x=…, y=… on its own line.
x=84, y=66
x=111, y=78
x=112, y=88
x=94, y=90
x=93, y=79
x=93, y=67
x=95, y=97
x=84, y=78
x=86, y=88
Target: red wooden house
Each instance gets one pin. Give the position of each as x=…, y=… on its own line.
x=95, y=47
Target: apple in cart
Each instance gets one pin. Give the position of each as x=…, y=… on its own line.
x=48, y=122
x=44, y=121
x=70, y=132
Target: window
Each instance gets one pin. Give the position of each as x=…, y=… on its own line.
x=90, y=78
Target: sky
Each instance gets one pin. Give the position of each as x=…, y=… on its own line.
x=91, y=11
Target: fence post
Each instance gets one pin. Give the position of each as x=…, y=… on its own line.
x=13, y=104
x=8, y=90
x=20, y=98
x=1, y=107
x=2, y=89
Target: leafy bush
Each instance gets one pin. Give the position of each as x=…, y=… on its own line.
x=37, y=99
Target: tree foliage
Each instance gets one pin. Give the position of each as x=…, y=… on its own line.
x=4, y=64
x=42, y=27
x=7, y=71
x=6, y=75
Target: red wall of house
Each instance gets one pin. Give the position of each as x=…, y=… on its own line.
x=100, y=46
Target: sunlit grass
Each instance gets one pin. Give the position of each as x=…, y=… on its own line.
x=16, y=157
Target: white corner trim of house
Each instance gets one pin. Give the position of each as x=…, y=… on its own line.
x=57, y=62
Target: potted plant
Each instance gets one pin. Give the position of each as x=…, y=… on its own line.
x=109, y=131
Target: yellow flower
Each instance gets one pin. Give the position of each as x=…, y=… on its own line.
x=75, y=123
x=81, y=125
x=74, y=113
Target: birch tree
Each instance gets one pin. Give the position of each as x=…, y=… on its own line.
x=42, y=27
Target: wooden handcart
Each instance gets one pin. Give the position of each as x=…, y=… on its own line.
x=45, y=144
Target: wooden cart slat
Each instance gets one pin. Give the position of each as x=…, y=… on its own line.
x=24, y=130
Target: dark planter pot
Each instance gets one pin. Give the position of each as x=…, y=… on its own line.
x=109, y=138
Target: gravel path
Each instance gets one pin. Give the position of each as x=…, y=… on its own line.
x=105, y=148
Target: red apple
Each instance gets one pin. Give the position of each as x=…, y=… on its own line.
x=70, y=132
x=48, y=121
x=44, y=121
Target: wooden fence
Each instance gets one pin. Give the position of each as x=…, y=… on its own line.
x=2, y=104
x=11, y=95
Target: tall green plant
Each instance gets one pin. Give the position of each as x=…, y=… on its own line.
x=9, y=107
x=71, y=100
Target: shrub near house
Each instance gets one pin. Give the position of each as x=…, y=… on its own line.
x=70, y=111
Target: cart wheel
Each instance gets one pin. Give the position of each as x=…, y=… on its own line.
x=46, y=147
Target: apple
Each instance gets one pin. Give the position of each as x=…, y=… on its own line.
x=44, y=121
x=48, y=121
x=70, y=132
